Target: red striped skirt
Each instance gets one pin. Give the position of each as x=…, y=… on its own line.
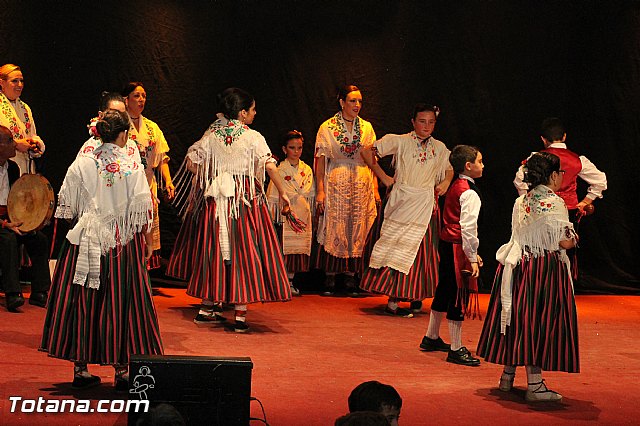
x=107, y=325
x=256, y=272
x=184, y=249
x=296, y=262
x=544, y=322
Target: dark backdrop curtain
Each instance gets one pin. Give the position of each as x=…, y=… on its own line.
x=496, y=69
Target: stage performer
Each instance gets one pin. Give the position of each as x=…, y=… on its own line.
x=153, y=152
x=17, y=117
x=101, y=309
x=296, y=223
x=460, y=262
x=531, y=319
x=239, y=260
x=11, y=237
x=402, y=263
x=108, y=101
x=553, y=136
x=346, y=190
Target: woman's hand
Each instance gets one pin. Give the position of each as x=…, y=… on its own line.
x=387, y=180
x=284, y=201
x=171, y=190
x=320, y=196
x=23, y=145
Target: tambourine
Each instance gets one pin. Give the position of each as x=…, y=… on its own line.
x=31, y=201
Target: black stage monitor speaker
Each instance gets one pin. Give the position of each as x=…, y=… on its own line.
x=205, y=390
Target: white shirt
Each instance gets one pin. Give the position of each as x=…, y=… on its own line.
x=596, y=179
x=4, y=183
x=469, y=212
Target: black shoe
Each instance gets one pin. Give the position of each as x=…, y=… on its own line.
x=399, y=312
x=416, y=306
x=431, y=345
x=82, y=382
x=214, y=318
x=38, y=299
x=14, y=301
x=355, y=292
x=463, y=357
x=241, y=327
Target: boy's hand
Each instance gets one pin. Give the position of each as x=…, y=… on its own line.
x=475, y=270
x=480, y=263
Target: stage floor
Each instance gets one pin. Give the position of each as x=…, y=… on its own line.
x=310, y=353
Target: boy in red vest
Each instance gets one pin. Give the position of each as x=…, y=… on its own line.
x=459, y=260
x=574, y=166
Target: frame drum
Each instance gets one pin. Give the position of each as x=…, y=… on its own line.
x=31, y=201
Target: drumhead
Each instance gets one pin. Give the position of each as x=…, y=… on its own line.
x=31, y=201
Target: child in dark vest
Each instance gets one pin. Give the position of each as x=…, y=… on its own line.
x=459, y=260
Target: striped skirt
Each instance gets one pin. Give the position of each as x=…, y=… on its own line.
x=418, y=284
x=184, y=249
x=107, y=325
x=544, y=322
x=296, y=263
x=256, y=272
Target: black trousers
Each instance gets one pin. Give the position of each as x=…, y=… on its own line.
x=37, y=247
x=447, y=289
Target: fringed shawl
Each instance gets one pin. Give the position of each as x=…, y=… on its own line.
x=107, y=192
x=19, y=120
x=298, y=182
x=540, y=220
x=227, y=154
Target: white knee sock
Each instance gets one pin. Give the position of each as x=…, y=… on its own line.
x=435, y=319
x=455, y=331
x=241, y=313
x=534, y=375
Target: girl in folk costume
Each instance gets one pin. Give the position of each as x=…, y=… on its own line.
x=296, y=223
x=238, y=259
x=346, y=188
x=16, y=116
x=402, y=261
x=531, y=319
x=100, y=308
x=153, y=152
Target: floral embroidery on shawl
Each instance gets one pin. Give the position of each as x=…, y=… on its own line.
x=229, y=132
x=110, y=164
x=12, y=117
x=424, y=152
x=348, y=147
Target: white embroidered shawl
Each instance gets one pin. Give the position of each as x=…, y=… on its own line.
x=17, y=117
x=298, y=182
x=539, y=222
x=107, y=192
x=227, y=154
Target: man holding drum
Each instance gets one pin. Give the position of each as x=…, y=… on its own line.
x=11, y=237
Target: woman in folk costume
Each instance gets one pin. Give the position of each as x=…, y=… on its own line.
x=100, y=308
x=16, y=116
x=238, y=258
x=402, y=261
x=531, y=319
x=296, y=222
x=153, y=152
x=346, y=188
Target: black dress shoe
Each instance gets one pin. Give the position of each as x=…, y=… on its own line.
x=82, y=382
x=430, y=345
x=38, y=299
x=463, y=357
x=14, y=301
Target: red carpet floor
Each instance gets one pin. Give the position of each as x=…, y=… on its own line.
x=309, y=353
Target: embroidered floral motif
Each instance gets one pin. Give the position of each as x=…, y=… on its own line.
x=145, y=151
x=229, y=132
x=348, y=147
x=539, y=201
x=12, y=117
x=110, y=165
x=424, y=152
x=287, y=178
